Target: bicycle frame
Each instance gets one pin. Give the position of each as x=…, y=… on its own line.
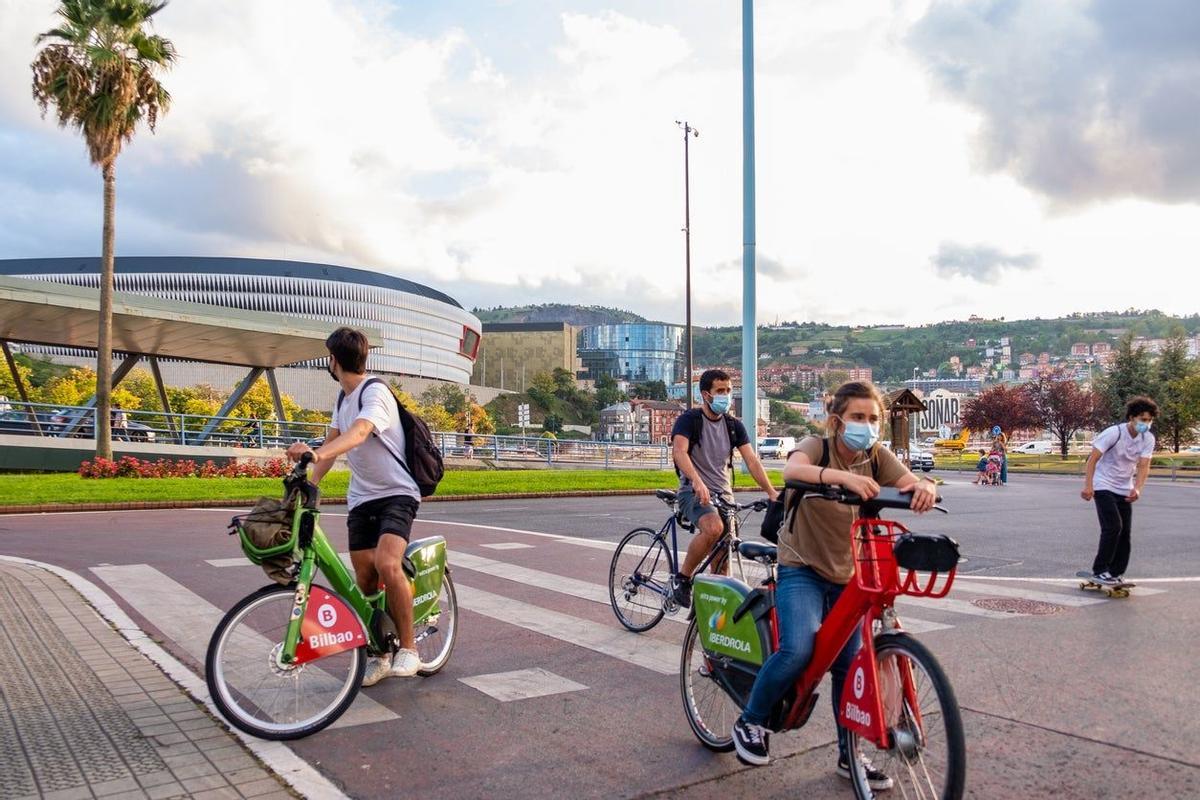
x=726, y=541
x=868, y=598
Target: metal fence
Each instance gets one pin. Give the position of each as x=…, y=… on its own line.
x=157, y=427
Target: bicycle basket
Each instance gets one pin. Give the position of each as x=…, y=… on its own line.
x=926, y=552
x=266, y=537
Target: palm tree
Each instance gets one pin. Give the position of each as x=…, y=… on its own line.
x=98, y=71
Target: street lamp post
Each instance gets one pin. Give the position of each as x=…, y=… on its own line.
x=688, y=130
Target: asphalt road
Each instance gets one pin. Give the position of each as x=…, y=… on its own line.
x=1089, y=699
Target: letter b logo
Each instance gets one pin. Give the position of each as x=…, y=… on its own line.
x=327, y=615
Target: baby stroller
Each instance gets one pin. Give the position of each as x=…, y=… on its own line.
x=991, y=475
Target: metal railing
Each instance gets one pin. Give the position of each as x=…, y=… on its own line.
x=158, y=427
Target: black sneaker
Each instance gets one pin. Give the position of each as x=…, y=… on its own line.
x=1105, y=579
x=752, y=743
x=683, y=591
x=875, y=779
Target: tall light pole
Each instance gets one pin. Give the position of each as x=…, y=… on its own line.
x=749, y=293
x=688, y=131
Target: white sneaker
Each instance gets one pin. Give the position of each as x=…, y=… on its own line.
x=378, y=668
x=405, y=663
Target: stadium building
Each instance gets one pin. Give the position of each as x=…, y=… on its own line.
x=426, y=334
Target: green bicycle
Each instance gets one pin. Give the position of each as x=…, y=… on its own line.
x=287, y=661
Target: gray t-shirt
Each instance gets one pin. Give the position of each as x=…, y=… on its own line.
x=711, y=457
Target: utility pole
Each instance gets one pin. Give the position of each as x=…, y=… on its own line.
x=688, y=130
x=749, y=291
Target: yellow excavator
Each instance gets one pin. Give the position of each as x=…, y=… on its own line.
x=956, y=443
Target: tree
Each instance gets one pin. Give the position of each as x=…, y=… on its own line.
x=649, y=390
x=447, y=395
x=552, y=424
x=1010, y=407
x=1177, y=412
x=564, y=383
x=98, y=71
x=1131, y=374
x=607, y=392
x=834, y=378
x=1063, y=408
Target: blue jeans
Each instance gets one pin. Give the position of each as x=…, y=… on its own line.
x=802, y=600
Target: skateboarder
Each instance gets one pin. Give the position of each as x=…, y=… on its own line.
x=1116, y=472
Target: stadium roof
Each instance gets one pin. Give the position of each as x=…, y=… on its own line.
x=223, y=266
x=55, y=314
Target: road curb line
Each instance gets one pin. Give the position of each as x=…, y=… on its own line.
x=295, y=771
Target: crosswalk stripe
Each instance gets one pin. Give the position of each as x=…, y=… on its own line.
x=609, y=640
x=188, y=620
x=1025, y=594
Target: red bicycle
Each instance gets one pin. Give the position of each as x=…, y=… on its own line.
x=897, y=704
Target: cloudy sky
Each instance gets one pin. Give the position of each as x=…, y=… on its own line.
x=1010, y=158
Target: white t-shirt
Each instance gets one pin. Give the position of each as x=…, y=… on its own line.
x=1122, y=450
x=374, y=473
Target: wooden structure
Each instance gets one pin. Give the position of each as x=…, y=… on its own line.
x=900, y=405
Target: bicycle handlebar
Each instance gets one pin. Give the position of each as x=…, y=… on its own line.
x=297, y=479
x=888, y=497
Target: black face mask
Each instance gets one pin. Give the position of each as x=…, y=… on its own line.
x=329, y=369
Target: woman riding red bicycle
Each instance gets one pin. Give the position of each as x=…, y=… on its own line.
x=816, y=559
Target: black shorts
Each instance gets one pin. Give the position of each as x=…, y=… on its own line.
x=374, y=518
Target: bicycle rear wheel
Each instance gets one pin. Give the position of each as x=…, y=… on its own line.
x=639, y=580
x=437, y=633
x=928, y=759
x=257, y=693
x=710, y=711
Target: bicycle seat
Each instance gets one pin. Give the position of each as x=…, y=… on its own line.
x=758, y=551
x=666, y=495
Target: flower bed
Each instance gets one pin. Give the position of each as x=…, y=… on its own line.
x=130, y=467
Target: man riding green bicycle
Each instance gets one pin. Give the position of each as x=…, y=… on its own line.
x=383, y=497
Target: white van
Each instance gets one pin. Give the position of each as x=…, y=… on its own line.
x=776, y=446
x=1035, y=448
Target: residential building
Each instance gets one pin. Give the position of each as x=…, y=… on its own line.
x=659, y=417
x=512, y=353
x=620, y=422
x=1081, y=349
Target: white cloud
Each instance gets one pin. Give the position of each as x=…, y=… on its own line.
x=331, y=130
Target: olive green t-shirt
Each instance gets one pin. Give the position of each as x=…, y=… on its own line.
x=819, y=536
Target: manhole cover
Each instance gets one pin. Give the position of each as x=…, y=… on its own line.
x=1017, y=605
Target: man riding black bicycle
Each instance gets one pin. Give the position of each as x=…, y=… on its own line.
x=702, y=444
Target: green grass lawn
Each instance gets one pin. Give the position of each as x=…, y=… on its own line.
x=70, y=488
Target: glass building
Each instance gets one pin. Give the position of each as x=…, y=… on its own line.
x=425, y=333
x=644, y=351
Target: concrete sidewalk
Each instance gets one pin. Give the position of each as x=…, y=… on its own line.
x=83, y=713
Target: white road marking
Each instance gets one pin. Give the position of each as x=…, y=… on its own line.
x=506, y=546
x=188, y=619
x=610, y=640
x=1032, y=594
x=521, y=684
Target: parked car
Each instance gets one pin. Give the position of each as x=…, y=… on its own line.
x=20, y=423
x=1042, y=448
x=136, y=431
x=776, y=446
x=920, y=459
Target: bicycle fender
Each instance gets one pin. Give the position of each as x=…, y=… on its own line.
x=861, y=708
x=329, y=627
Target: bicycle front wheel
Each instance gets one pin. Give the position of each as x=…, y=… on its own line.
x=928, y=756
x=710, y=711
x=639, y=580
x=437, y=633
x=262, y=696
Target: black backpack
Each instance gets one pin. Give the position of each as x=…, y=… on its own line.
x=780, y=510
x=696, y=423
x=419, y=450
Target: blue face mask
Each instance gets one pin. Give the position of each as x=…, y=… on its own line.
x=719, y=403
x=1141, y=427
x=860, y=435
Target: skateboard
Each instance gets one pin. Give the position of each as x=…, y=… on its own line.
x=1116, y=590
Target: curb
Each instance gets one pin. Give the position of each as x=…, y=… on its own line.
x=58, y=508
x=280, y=759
